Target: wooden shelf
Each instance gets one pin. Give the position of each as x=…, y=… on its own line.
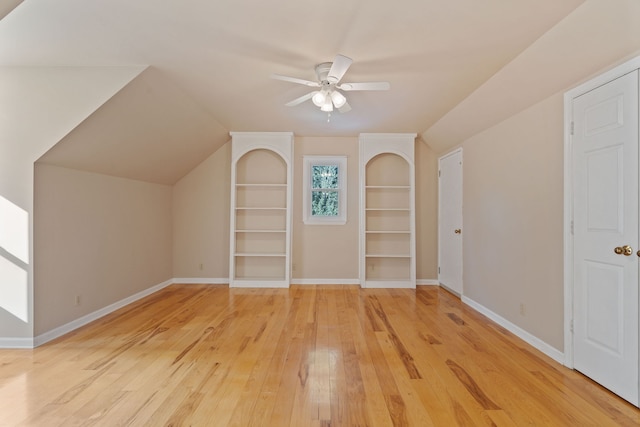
x=261, y=194
x=387, y=217
x=261, y=231
x=388, y=187
x=387, y=256
x=260, y=255
x=388, y=232
x=388, y=209
x=247, y=208
x=261, y=185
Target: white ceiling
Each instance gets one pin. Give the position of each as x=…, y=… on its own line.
x=213, y=59
x=168, y=137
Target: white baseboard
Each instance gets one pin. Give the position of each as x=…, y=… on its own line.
x=75, y=324
x=389, y=284
x=16, y=342
x=532, y=340
x=325, y=281
x=258, y=284
x=201, y=280
x=427, y=282
x=8, y=342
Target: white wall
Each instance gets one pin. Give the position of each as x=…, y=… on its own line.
x=324, y=252
x=512, y=132
x=38, y=106
x=201, y=219
x=426, y=162
x=97, y=237
x=328, y=252
x=512, y=216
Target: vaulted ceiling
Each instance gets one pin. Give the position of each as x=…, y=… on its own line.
x=210, y=63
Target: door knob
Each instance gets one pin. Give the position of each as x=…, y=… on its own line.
x=458, y=231
x=625, y=250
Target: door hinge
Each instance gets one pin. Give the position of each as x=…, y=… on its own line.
x=572, y=227
x=571, y=325
x=571, y=130
x=439, y=173
x=438, y=270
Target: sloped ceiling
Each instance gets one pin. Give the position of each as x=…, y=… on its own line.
x=594, y=37
x=150, y=131
x=7, y=6
x=210, y=64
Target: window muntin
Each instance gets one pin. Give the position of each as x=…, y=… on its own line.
x=324, y=195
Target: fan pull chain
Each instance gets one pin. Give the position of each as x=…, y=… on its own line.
x=328, y=117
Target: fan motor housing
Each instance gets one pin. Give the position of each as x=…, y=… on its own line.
x=322, y=71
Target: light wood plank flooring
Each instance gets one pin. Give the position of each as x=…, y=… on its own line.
x=306, y=356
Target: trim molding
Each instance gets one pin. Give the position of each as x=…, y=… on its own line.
x=536, y=342
x=281, y=284
x=201, y=280
x=27, y=343
x=389, y=284
x=75, y=324
x=7, y=342
x=225, y=281
x=325, y=281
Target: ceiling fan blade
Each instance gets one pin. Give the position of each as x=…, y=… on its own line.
x=301, y=99
x=340, y=66
x=345, y=108
x=365, y=86
x=295, y=80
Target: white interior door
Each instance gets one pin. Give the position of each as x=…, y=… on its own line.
x=450, y=221
x=605, y=206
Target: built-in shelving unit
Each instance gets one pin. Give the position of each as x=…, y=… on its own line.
x=387, y=210
x=261, y=181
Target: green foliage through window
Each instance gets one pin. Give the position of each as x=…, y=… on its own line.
x=324, y=194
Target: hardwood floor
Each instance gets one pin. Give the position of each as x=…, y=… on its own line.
x=306, y=356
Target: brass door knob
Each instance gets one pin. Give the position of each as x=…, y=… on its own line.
x=457, y=231
x=638, y=253
x=625, y=250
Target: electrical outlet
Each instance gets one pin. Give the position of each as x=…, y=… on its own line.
x=76, y=300
x=522, y=309
x=200, y=266
x=293, y=267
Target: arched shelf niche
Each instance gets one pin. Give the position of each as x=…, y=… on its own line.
x=260, y=229
x=387, y=211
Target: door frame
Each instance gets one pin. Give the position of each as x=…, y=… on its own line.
x=604, y=78
x=449, y=154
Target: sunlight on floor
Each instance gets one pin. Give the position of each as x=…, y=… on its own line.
x=12, y=409
x=321, y=366
x=14, y=259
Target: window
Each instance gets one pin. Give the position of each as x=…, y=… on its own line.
x=325, y=190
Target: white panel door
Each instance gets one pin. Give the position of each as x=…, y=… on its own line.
x=450, y=221
x=605, y=205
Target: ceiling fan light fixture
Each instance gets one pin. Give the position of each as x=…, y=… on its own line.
x=327, y=106
x=319, y=99
x=338, y=99
x=329, y=95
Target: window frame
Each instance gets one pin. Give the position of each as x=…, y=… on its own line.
x=308, y=163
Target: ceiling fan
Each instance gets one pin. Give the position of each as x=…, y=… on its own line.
x=328, y=93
